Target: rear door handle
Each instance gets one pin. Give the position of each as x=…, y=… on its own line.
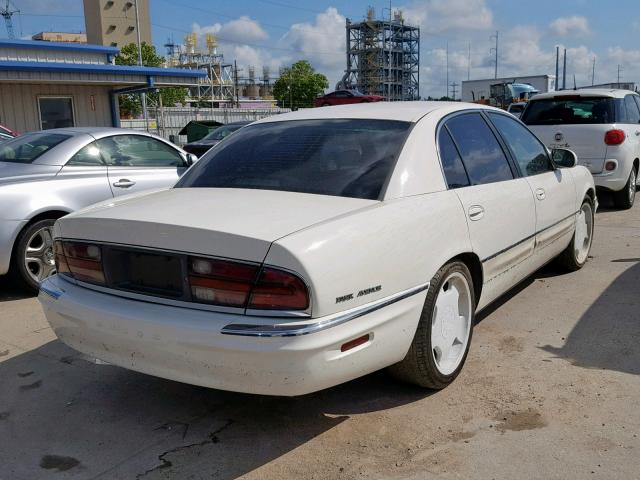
x=540, y=194
x=124, y=183
x=476, y=212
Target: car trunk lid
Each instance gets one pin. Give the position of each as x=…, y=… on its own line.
x=11, y=172
x=231, y=223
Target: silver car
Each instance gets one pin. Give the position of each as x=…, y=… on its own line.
x=45, y=175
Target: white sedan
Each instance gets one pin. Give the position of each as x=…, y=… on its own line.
x=315, y=247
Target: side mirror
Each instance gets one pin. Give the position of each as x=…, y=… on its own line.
x=563, y=158
x=191, y=159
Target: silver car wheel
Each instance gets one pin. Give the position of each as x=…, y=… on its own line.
x=583, y=233
x=39, y=261
x=632, y=186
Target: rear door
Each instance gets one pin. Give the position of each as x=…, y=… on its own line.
x=553, y=189
x=499, y=206
x=139, y=162
x=576, y=122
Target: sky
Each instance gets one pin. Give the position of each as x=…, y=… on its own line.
x=279, y=32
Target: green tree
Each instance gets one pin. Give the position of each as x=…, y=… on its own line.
x=130, y=104
x=299, y=85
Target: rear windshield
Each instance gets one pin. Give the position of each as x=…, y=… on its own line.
x=347, y=158
x=570, y=111
x=26, y=148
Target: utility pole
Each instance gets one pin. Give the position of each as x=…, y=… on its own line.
x=235, y=83
x=469, y=63
x=454, y=86
x=495, y=50
x=557, y=67
x=593, y=72
x=564, y=70
x=143, y=95
x=619, y=70
x=447, y=68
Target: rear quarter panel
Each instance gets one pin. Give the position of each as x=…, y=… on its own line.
x=583, y=181
x=395, y=245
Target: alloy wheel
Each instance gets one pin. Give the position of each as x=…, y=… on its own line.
x=451, y=323
x=583, y=233
x=39, y=259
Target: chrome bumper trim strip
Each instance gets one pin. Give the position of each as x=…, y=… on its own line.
x=285, y=330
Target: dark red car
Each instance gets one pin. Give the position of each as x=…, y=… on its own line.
x=343, y=97
x=8, y=131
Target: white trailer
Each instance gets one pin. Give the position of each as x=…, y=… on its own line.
x=474, y=90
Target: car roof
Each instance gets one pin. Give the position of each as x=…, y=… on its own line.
x=402, y=111
x=586, y=92
x=96, y=132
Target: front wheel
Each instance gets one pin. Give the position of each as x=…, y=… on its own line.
x=576, y=254
x=624, y=198
x=33, y=259
x=441, y=343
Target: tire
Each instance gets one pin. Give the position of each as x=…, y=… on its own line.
x=29, y=274
x=624, y=198
x=421, y=365
x=577, y=253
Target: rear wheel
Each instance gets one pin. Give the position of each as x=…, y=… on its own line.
x=624, y=198
x=576, y=254
x=441, y=343
x=33, y=259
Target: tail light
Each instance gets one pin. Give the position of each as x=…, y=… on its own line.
x=614, y=137
x=234, y=284
x=82, y=261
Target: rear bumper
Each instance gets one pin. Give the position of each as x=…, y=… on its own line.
x=189, y=345
x=9, y=230
x=613, y=181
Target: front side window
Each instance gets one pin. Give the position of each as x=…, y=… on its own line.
x=570, y=110
x=481, y=153
x=530, y=154
x=341, y=157
x=87, y=156
x=138, y=151
x=56, y=112
x=454, y=171
x=27, y=148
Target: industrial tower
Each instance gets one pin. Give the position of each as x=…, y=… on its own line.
x=383, y=58
x=7, y=12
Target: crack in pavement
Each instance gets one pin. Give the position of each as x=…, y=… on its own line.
x=164, y=463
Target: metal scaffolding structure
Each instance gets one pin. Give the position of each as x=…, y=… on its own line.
x=383, y=58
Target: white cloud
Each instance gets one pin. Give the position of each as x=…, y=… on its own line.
x=241, y=30
x=574, y=25
x=444, y=15
x=321, y=42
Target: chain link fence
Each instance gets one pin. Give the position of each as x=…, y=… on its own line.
x=168, y=121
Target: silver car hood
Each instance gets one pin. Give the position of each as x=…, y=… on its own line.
x=25, y=172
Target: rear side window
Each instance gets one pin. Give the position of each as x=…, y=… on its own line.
x=633, y=114
x=573, y=110
x=88, y=156
x=530, y=154
x=481, y=153
x=27, y=148
x=454, y=171
x=341, y=157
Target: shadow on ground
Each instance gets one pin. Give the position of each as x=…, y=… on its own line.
x=61, y=414
x=607, y=336
x=10, y=291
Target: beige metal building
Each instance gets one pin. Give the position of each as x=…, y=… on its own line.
x=54, y=85
x=65, y=37
x=113, y=22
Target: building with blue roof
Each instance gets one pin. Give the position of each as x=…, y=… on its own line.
x=52, y=85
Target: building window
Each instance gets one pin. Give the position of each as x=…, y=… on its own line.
x=108, y=5
x=56, y=112
x=130, y=29
x=111, y=29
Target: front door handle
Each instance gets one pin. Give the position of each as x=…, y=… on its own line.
x=124, y=183
x=476, y=212
x=540, y=194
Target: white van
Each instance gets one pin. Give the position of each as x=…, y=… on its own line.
x=601, y=126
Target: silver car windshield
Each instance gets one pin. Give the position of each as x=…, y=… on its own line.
x=26, y=148
x=341, y=157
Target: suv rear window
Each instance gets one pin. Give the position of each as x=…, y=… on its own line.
x=28, y=147
x=574, y=110
x=346, y=157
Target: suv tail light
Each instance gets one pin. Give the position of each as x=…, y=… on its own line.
x=82, y=261
x=614, y=137
x=235, y=284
